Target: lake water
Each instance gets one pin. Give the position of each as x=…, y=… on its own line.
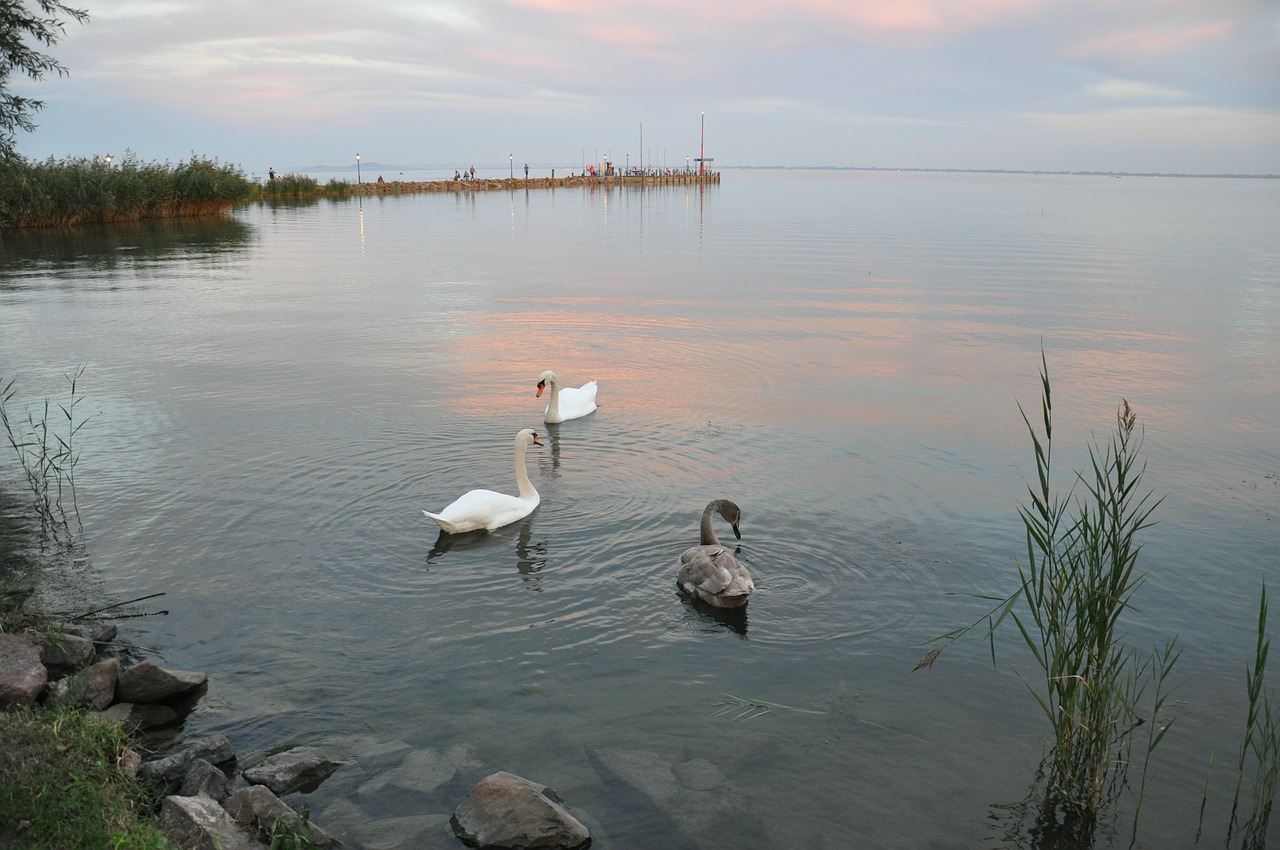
x=276, y=396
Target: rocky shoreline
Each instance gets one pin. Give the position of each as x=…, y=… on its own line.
x=214, y=797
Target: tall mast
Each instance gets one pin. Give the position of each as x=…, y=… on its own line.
x=702, y=147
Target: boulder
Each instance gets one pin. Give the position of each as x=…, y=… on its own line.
x=202, y=778
x=258, y=810
x=66, y=652
x=199, y=823
x=93, y=687
x=95, y=630
x=138, y=718
x=170, y=769
x=149, y=682
x=22, y=673
x=294, y=770
x=505, y=810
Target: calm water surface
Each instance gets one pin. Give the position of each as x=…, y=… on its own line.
x=276, y=396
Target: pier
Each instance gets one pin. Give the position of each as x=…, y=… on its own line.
x=400, y=187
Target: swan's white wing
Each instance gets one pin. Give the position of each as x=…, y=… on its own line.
x=579, y=401
x=478, y=509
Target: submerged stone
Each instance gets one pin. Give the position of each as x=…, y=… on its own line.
x=508, y=811
x=293, y=770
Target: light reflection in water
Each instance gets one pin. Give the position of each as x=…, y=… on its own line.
x=841, y=354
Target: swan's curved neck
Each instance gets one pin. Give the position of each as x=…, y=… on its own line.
x=708, y=535
x=527, y=490
x=553, y=402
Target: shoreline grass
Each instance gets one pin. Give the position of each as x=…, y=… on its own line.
x=83, y=190
x=62, y=784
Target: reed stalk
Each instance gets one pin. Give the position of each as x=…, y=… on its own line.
x=1080, y=575
x=48, y=455
x=1261, y=741
x=1078, y=580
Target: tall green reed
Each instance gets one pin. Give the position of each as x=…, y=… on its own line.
x=47, y=454
x=1080, y=574
x=1260, y=746
x=1079, y=578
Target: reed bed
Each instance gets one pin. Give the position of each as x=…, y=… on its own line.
x=287, y=186
x=90, y=190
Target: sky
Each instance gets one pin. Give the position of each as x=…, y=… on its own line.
x=1138, y=86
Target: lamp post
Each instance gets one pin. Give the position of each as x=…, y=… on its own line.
x=108, y=160
x=511, y=166
x=686, y=163
x=358, y=166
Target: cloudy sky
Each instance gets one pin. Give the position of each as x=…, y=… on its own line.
x=1189, y=86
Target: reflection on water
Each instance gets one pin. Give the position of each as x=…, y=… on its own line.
x=842, y=355
x=731, y=619
x=530, y=554
x=120, y=253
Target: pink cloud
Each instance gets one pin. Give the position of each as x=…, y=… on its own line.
x=570, y=7
x=864, y=19
x=625, y=35
x=1150, y=41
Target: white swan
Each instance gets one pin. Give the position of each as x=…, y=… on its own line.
x=709, y=571
x=567, y=403
x=488, y=509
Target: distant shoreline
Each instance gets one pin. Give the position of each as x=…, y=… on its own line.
x=1018, y=171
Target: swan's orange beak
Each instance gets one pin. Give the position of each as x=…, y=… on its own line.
x=536, y=442
x=542, y=385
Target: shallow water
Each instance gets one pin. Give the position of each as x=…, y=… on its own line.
x=275, y=398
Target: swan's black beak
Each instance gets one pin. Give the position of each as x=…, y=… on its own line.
x=542, y=385
x=736, y=533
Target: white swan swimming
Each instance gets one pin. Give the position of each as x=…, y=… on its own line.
x=567, y=403
x=709, y=571
x=488, y=509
